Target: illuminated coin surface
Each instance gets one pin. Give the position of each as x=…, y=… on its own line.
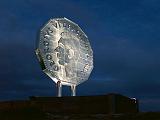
x=64, y=52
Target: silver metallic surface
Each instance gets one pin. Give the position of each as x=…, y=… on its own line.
x=64, y=52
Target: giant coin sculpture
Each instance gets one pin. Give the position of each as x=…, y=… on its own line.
x=64, y=53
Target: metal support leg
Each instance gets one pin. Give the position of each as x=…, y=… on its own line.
x=73, y=89
x=59, y=89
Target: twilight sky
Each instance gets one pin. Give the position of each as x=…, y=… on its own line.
x=124, y=35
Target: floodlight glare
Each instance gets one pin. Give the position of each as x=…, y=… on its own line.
x=64, y=53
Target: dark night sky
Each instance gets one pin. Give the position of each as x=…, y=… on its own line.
x=124, y=35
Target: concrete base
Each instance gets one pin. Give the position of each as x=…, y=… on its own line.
x=111, y=103
x=102, y=104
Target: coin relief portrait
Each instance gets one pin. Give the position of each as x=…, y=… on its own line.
x=65, y=51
